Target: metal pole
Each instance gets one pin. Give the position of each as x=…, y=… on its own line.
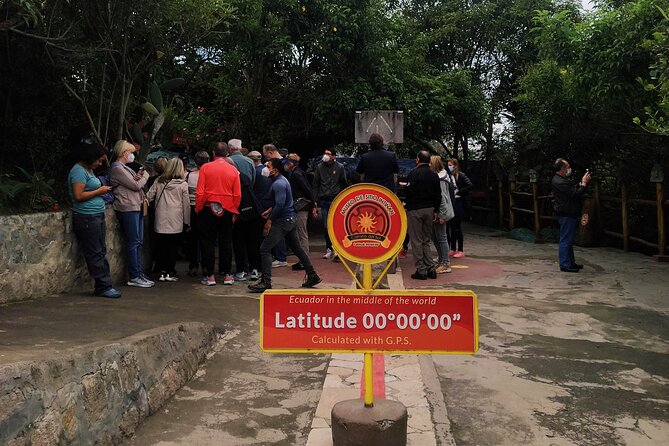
x=661, y=238
x=369, y=357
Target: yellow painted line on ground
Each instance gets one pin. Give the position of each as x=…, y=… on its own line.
x=460, y=266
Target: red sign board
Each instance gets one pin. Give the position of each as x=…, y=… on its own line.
x=367, y=223
x=378, y=321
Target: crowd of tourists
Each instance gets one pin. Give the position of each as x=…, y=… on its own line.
x=251, y=206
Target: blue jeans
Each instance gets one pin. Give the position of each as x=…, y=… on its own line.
x=567, y=235
x=283, y=228
x=325, y=209
x=132, y=224
x=90, y=231
x=440, y=238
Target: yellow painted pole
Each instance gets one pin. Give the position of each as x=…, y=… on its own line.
x=369, y=357
x=367, y=277
x=369, y=380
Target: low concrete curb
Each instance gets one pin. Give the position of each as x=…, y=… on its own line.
x=100, y=396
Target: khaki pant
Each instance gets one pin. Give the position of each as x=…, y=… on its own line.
x=302, y=233
x=420, y=233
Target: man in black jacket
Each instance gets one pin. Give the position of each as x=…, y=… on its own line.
x=378, y=166
x=567, y=208
x=422, y=205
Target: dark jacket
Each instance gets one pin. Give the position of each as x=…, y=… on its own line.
x=567, y=195
x=423, y=189
x=379, y=166
x=329, y=180
x=299, y=184
x=464, y=184
x=262, y=188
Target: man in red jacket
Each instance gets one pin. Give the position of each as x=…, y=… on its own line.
x=217, y=199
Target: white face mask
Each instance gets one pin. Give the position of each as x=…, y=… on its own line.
x=264, y=172
x=451, y=169
x=326, y=158
x=568, y=172
x=131, y=157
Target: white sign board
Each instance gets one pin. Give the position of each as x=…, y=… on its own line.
x=387, y=123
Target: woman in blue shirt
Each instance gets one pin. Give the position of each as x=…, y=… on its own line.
x=88, y=216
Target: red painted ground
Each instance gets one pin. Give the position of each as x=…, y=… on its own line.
x=378, y=378
x=477, y=270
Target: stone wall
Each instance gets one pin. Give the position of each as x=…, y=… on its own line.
x=39, y=256
x=101, y=396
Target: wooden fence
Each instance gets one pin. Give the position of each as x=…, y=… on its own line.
x=532, y=198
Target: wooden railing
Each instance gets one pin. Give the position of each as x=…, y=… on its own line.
x=659, y=203
x=527, y=198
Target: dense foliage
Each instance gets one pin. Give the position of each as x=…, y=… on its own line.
x=514, y=83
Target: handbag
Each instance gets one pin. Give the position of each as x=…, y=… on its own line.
x=301, y=204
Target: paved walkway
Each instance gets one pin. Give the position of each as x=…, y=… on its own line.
x=565, y=359
x=403, y=382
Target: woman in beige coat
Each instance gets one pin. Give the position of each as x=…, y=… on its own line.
x=169, y=194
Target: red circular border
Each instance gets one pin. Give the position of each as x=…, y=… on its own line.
x=368, y=251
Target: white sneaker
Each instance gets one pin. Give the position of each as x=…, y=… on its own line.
x=139, y=282
x=241, y=276
x=147, y=280
x=228, y=279
x=278, y=264
x=170, y=278
x=328, y=254
x=255, y=275
x=162, y=276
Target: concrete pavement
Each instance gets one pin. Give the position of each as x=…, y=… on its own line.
x=565, y=359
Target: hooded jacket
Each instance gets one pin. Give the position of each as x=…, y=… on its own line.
x=446, y=208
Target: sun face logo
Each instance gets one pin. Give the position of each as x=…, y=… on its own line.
x=366, y=223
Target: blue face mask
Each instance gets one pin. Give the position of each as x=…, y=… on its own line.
x=451, y=169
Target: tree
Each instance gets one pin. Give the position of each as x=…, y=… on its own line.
x=107, y=51
x=580, y=99
x=657, y=82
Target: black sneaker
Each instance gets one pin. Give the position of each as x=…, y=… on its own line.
x=297, y=266
x=259, y=287
x=432, y=274
x=419, y=276
x=311, y=281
